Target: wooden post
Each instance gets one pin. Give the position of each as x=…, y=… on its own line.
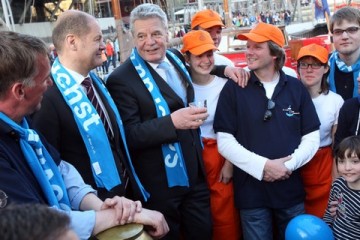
x=124, y=37
x=228, y=22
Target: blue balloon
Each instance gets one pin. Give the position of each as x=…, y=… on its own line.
x=308, y=227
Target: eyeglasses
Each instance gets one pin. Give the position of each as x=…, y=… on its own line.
x=268, y=113
x=350, y=31
x=315, y=65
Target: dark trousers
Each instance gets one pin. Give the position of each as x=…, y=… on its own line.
x=187, y=214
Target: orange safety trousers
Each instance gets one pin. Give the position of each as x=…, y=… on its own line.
x=317, y=179
x=225, y=217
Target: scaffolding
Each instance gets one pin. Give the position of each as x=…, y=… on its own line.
x=8, y=17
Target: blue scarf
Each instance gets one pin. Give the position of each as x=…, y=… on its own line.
x=41, y=164
x=92, y=129
x=334, y=59
x=173, y=158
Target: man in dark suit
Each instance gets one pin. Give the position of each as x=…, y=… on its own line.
x=86, y=129
x=32, y=171
x=161, y=131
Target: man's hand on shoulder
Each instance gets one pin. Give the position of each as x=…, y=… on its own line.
x=238, y=75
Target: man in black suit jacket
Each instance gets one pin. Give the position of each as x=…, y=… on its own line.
x=186, y=208
x=78, y=39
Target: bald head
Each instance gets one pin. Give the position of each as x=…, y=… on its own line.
x=70, y=22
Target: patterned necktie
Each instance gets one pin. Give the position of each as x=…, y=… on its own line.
x=173, y=80
x=87, y=83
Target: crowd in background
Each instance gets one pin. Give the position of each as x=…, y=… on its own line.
x=182, y=142
x=241, y=19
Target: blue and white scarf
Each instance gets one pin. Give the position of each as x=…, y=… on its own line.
x=334, y=59
x=41, y=164
x=92, y=129
x=174, y=161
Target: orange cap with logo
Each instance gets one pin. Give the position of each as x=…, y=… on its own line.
x=314, y=50
x=264, y=32
x=197, y=42
x=206, y=19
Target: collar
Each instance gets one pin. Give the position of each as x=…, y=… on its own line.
x=255, y=80
x=155, y=65
x=77, y=76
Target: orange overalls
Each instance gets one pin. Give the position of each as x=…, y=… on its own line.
x=225, y=217
x=317, y=179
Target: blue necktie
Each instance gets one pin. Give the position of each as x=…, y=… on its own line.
x=173, y=80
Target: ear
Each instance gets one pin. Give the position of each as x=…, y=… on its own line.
x=17, y=91
x=71, y=41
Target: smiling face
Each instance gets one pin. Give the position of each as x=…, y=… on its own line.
x=90, y=47
x=150, y=37
x=349, y=168
x=201, y=64
x=347, y=44
x=258, y=56
x=310, y=77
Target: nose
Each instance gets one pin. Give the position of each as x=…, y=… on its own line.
x=309, y=68
x=347, y=165
x=149, y=39
x=206, y=58
x=102, y=45
x=346, y=34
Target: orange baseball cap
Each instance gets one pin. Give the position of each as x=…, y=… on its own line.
x=206, y=19
x=314, y=50
x=197, y=42
x=264, y=32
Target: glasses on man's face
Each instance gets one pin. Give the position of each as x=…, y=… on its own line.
x=349, y=30
x=315, y=65
x=268, y=113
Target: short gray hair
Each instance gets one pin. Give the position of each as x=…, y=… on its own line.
x=146, y=11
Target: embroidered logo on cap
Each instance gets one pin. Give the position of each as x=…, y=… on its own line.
x=202, y=37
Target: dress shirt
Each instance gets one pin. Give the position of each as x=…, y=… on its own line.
x=78, y=79
x=83, y=222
